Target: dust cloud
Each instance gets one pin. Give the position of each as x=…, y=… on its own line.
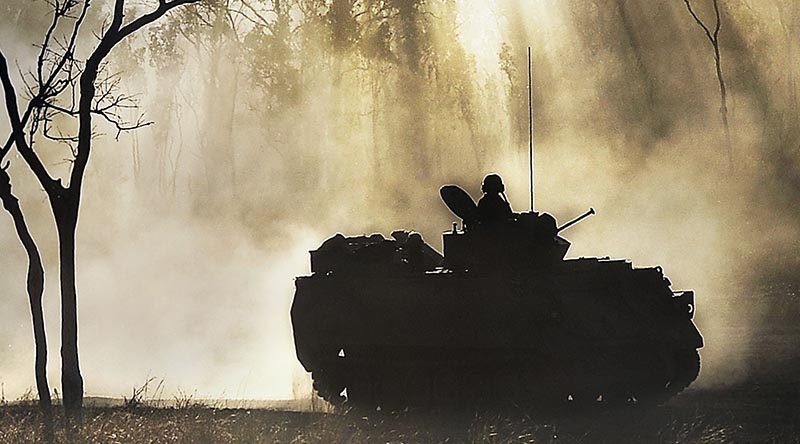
x=280, y=125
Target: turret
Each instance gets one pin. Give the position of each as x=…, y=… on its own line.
x=522, y=240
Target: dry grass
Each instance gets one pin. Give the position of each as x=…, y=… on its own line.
x=752, y=414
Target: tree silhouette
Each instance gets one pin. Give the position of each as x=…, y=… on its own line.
x=62, y=86
x=713, y=39
x=35, y=281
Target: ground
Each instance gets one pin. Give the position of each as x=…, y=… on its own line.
x=761, y=407
x=745, y=413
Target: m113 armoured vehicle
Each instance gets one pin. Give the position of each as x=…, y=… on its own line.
x=502, y=319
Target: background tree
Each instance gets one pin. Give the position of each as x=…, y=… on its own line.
x=59, y=81
x=713, y=39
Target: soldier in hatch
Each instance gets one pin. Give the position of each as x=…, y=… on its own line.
x=493, y=208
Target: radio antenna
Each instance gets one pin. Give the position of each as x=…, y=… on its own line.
x=530, y=124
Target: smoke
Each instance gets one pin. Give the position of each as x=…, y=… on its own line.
x=268, y=139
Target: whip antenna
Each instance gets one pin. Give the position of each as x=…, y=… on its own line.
x=530, y=123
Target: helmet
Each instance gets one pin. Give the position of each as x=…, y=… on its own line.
x=493, y=184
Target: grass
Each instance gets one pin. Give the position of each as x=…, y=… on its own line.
x=753, y=413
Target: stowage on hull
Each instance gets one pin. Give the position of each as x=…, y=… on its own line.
x=582, y=330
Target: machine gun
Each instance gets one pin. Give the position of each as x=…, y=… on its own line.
x=576, y=220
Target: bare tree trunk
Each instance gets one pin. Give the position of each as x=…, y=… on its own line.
x=35, y=288
x=65, y=210
x=229, y=122
x=788, y=26
x=136, y=158
x=218, y=130
x=377, y=175
x=723, y=98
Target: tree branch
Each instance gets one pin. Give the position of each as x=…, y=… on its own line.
x=700, y=22
x=68, y=50
x=18, y=130
x=263, y=19
x=115, y=34
x=47, y=36
x=46, y=88
x=119, y=15
x=121, y=126
x=163, y=7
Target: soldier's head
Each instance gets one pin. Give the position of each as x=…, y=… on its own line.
x=493, y=184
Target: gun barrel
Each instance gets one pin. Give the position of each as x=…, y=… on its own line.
x=576, y=220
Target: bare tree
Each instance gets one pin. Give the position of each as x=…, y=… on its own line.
x=713, y=38
x=787, y=18
x=63, y=86
x=34, y=281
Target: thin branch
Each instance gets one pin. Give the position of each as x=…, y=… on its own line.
x=723, y=94
x=106, y=112
x=115, y=34
x=699, y=22
x=45, y=87
x=124, y=127
x=69, y=48
x=18, y=130
x=247, y=17
x=263, y=19
x=46, y=132
x=163, y=7
x=47, y=36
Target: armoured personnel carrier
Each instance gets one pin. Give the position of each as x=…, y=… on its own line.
x=502, y=319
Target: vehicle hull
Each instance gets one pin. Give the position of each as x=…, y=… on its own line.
x=582, y=330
